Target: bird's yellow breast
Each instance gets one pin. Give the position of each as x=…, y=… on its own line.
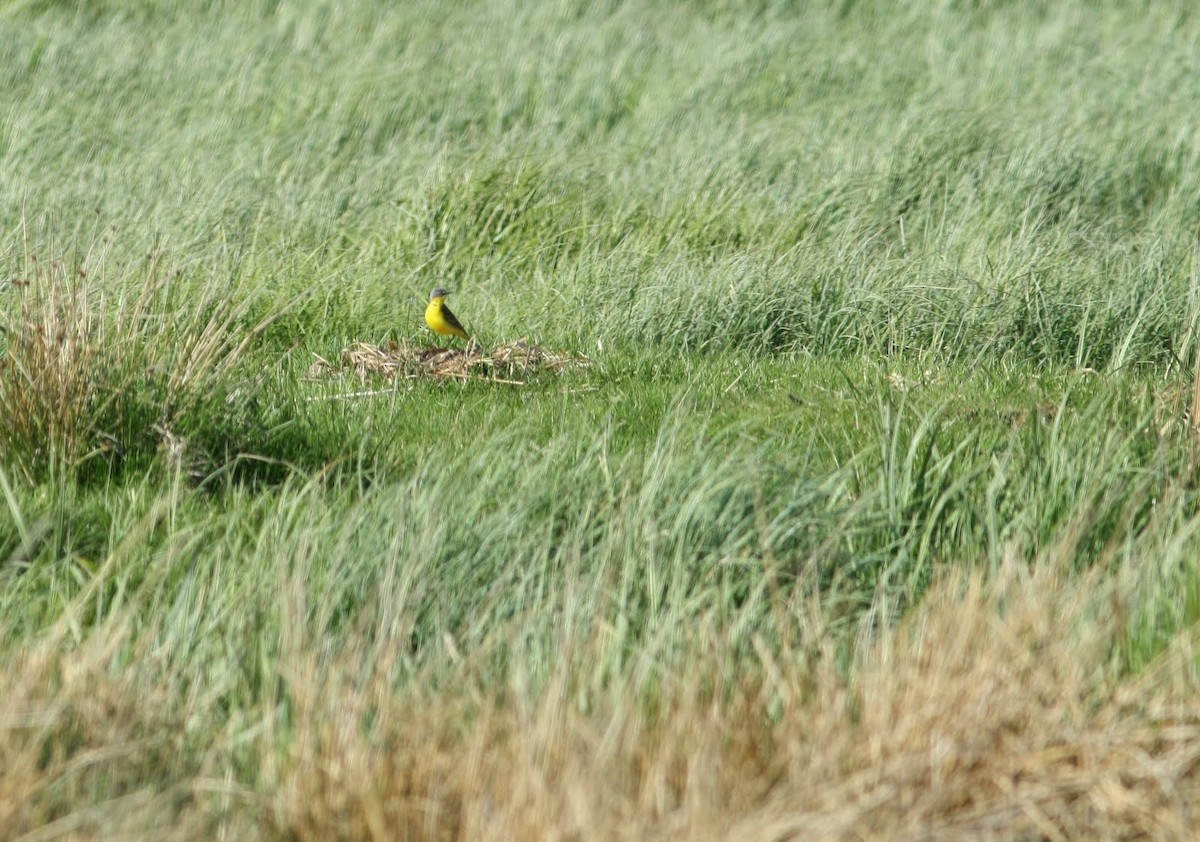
x=441, y=320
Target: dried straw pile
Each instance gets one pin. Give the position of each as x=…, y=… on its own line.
x=514, y=363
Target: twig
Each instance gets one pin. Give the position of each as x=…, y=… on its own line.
x=374, y=393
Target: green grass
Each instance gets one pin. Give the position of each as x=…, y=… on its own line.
x=880, y=301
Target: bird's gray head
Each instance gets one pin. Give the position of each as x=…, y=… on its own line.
x=438, y=292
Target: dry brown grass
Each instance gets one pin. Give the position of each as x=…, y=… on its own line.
x=97, y=358
x=84, y=755
x=1194, y=409
x=50, y=385
x=991, y=712
x=514, y=363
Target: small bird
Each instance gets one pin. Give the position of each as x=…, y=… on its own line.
x=440, y=319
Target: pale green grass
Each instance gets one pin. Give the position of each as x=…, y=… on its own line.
x=873, y=294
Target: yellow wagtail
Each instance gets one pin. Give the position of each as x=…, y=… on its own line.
x=440, y=319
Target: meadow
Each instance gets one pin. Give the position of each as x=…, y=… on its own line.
x=872, y=513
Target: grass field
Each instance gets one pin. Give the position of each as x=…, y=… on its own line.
x=872, y=515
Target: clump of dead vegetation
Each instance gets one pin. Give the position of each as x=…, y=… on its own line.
x=514, y=363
